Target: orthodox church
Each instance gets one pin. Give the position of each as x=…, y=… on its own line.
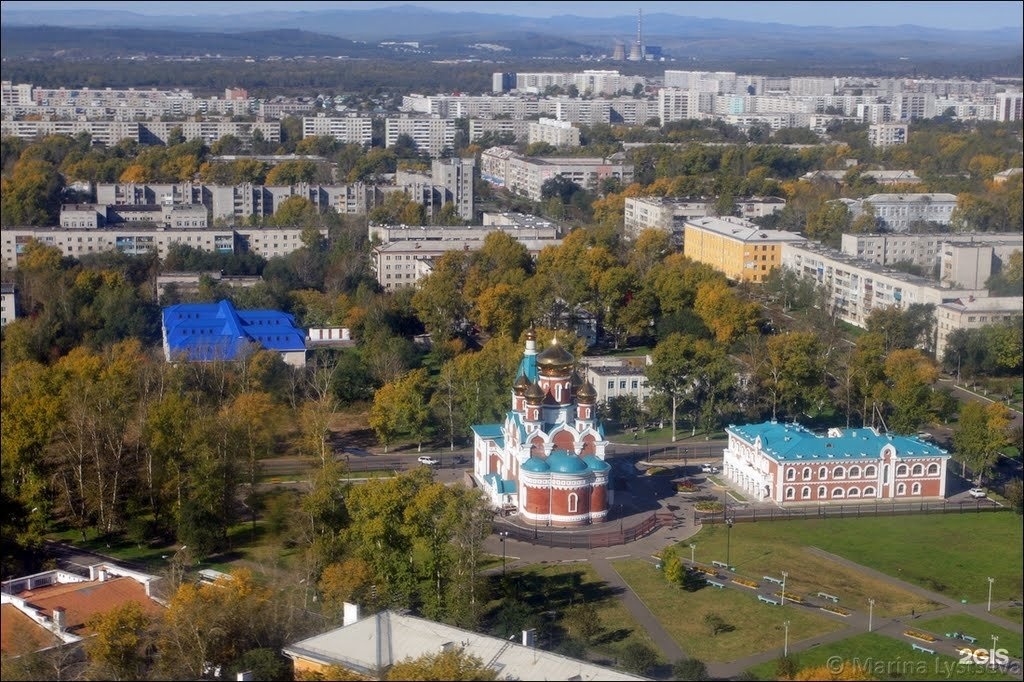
x=546, y=461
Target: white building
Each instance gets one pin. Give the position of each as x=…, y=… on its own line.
x=8, y=304
x=900, y=212
x=973, y=313
x=1009, y=106
x=668, y=214
x=526, y=175
x=888, y=134
x=554, y=132
x=618, y=376
x=350, y=129
x=431, y=135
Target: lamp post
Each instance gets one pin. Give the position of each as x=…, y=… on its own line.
x=784, y=574
x=693, y=548
x=992, y=655
x=503, y=534
x=871, y=613
x=785, y=646
x=990, y=581
x=728, y=541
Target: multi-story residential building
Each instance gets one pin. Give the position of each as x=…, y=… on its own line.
x=788, y=464
x=910, y=106
x=677, y=104
x=888, y=134
x=881, y=177
x=526, y=175
x=529, y=228
x=900, y=212
x=431, y=135
x=812, y=86
x=478, y=127
x=875, y=112
x=554, y=132
x=107, y=133
x=736, y=247
x=1009, y=106
x=268, y=242
x=633, y=112
x=586, y=111
x=8, y=304
x=973, y=313
x=669, y=214
x=856, y=287
x=450, y=181
x=156, y=215
x=13, y=95
x=159, y=132
x=350, y=129
x=618, y=377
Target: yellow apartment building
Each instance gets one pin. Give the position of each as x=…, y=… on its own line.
x=736, y=247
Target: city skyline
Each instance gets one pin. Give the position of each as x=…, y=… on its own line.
x=992, y=14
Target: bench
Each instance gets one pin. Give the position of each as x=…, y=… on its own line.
x=923, y=649
x=767, y=600
x=771, y=579
x=715, y=583
x=960, y=635
x=721, y=564
x=831, y=597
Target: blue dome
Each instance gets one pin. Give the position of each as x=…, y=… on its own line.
x=562, y=462
x=596, y=463
x=536, y=465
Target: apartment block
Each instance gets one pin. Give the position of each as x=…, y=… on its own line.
x=1009, y=106
x=736, y=247
x=888, y=134
x=554, y=132
x=669, y=214
x=8, y=304
x=526, y=175
x=353, y=130
x=899, y=212
x=973, y=313
x=618, y=377
x=431, y=135
x=478, y=127
x=107, y=133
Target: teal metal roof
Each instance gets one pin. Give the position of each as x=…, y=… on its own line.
x=528, y=366
x=536, y=465
x=563, y=462
x=595, y=463
x=506, y=487
x=490, y=432
x=792, y=442
x=517, y=419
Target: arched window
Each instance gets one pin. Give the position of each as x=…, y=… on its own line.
x=869, y=491
x=805, y=492
x=901, y=489
x=821, y=492
x=558, y=392
x=838, y=492
x=855, y=472
x=807, y=473
x=901, y=470
x=854, y=492
x=869, y=472
x=790, y=474
x=933, y=469
x=573, y=502
x=839, y=472
x=917, y=470
x=915, y=489
x=790, y=492
x=822, y=473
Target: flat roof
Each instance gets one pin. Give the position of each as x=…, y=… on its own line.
x=794, y=443
x=742, y=230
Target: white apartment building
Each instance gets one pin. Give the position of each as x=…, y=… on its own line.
x=526, y=175
x=812, y=86
x=431, y=135
x=888, y=134
x=388, y=234
x=617, y=377
x=713, y=82
x=970, y=264
x=554, y=132
x=857, y=287
x=909, y=106
x=1009, y=106
x=587, y=111
x=882, y=177
x=633, y=112
x=350, y=129
x=678, y=104
x=159, y=132
x=670, y=213
x=973, y=313
x=268, y=242
x=875, y=113
x=107, y=133
x=8, y=304
x=13, y=95
x=898, y=212
x=478, y=127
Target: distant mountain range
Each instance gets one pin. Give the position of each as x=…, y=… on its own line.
x=357, y=32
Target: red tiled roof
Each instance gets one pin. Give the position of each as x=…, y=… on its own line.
x=82, y=601
x=19, y=634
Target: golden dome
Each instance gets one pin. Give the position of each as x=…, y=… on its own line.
x=555, y=358
x=534, y=394
x=521, y=384
x=587, y=393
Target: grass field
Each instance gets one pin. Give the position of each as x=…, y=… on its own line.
x=1014, y=613
x=975, y=627
x=757, y=627
x=886, y=659
x=549, y=589
x=951, y=554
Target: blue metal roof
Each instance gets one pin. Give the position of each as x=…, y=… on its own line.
x=217, y=331
x=564, y=462
x=490, y=432
x=517, y=419
x=528, y=366
x=792, y=442
x=502, y=486
x=595, y=463
x=535, y=464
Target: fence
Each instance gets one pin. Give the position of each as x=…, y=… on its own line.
x=586, y=540
x=848, y=511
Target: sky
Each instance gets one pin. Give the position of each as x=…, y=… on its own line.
x=952, y=15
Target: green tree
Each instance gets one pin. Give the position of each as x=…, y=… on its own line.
x=452, y=666
x=980, y=433
x=791, y=371
x=677, y=365
x=638, y=657
x=402, y=405
x=690, y=669
x=117, y=649
x=909, y=376
x=439, y=301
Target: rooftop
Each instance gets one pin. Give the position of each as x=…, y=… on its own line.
x=793, y=442
x=743, y=230
x=217, y=331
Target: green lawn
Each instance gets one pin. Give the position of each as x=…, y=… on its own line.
x=1014, y=613
x=886, y=659
x=757, y=626
x=975, y=627
x=546, y=590
x=951, y=553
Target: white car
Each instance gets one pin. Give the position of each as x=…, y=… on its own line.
x=709, y=469
x=429, y=461
x=977, y=493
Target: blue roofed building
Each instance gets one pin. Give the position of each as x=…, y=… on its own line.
x=789, y=464
x=546, y=461
x=209, y=332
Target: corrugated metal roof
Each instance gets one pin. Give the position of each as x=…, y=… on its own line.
x=217, y=331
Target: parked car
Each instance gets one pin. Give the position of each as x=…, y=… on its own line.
x=429, y=461
x=977, y=493
x=709, y=469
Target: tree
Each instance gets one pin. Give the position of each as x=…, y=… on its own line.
x=117, y=650
x=791, y=372
x=582, y=620
x=725, y=312
x=716, y=625
x=676, y=366
x=347, y=581
x=401, y=405
x=786, y=667
x=638, y=657
x=452, y=665
x=981, y=432
x=439, y=301
x=690, y=669
x=909, y=376
x=828, y=222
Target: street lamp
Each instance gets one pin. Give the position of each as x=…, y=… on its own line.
x=784, y=574
x=992, y=655
x=990, y=581
x=785, y=646
x=693, y=548
x=728, y=541
x=871, y=613
x=503, y=534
